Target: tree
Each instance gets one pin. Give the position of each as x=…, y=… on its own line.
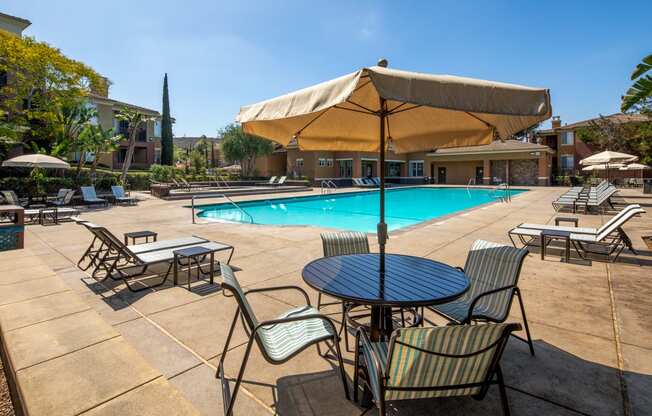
x=238, y=146
x=607, y=134
x=640, y=93
x=40, y=81
x=167, y=142
x=70, y=119
x=135, y=121
x=95, y=139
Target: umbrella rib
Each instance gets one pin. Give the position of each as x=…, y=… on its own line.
x=394, y=111
x=362, y=86
x=362, y=106
x=312, y=121
x=479, y=119
x=354, y=110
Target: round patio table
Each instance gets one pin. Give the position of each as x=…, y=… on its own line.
x=407, y=281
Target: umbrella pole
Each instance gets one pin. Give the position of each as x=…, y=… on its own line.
x=382, y=227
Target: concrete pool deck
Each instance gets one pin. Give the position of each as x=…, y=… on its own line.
x=590, y=320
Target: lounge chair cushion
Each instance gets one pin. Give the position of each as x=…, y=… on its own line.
x=281, y=341
x=159, y=256
x=579, y=230
x=165, y=244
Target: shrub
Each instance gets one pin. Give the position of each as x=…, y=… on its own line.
x=161, y=173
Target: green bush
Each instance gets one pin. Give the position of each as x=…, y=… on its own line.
x=161, y=173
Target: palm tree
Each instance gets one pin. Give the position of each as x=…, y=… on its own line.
x=641, y=91
x=135, y=120
x=97, y=140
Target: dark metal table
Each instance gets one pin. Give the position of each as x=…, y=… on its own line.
x=549, y=235
x=408, y=281
x=195, y=254
x=134, y=235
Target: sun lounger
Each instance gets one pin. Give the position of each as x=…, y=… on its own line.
x=122, y=262
x=281, y=181
x=120, y=196
x=11, y=198
x=581, y=230
x=608, y=239
x=90, y=197
x=63, y=198
x=52, y=214
x=271, y=181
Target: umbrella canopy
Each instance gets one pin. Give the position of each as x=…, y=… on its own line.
x=608, y=157
x=603, y=167
x=422, y=112
x=374, y=107
x=36, y=161
x=635, y=166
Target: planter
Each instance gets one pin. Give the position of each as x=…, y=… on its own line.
x=160, y=191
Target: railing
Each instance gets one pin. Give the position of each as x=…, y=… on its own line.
x=251, y=219
x=327, y=186
x=471, y=182
x=505, y=195
x=219, y=178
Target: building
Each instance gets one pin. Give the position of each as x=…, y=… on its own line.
x=569, y=149
x=521, y=163
x=13, y=24
x=145, y=150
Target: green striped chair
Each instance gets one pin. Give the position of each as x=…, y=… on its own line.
x=420, y=363
x=341, y=244
x=278, y=339
x=493, y=271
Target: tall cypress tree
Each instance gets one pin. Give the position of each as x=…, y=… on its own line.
x=167, y=144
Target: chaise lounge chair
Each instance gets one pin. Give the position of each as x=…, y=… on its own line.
x=271, y=181
x=280, y=339
x=11, y=198
x=281, y=181
x=90, y=197
x=117, y=260
x=51, y=214
x=121, y=197
x=63, y=198
x=606, y=240
x=421, y=363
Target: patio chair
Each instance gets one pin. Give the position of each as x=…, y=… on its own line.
x=420, y=363
x=340, y=244
x=271, y=181
x=90, y=197
x=121, y=197
x=493, y=271
x=63, y=198
x=281, y=181
x=280, y=339
x=11, y=198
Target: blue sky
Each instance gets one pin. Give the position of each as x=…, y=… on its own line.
x=220, y=55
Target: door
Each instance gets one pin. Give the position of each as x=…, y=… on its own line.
x=441, y=175
x=479, y=175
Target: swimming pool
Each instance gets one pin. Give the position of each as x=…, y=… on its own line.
x=355, y=211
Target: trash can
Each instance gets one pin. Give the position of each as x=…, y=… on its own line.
x=647, y=186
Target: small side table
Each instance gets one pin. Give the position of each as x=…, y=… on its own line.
x=196, y=254
x=555, y=235
x=146, y=234
x=573, y=220
x=48, y=215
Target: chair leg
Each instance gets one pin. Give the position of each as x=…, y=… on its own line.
x=340, y=362
x=356, y=368
x=319, y=301
x=227, y=398
x=503, y=392
x=527, y=327
x=230, y=401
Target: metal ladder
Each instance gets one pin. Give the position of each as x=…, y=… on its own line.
x=251, y=219
x=327, y=186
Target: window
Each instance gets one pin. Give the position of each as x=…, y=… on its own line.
x=393, y=169
x=415, y=168
x=298, y=163
x=346, y=168
x=567, y=138
x=157, y=128
x=567, y=162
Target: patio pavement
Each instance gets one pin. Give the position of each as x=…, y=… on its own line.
x=590, y=320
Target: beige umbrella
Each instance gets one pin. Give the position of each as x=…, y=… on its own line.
x=375, y=107
x=36, y=161
x=608, y=157
x=603, y=167
x=635, y=166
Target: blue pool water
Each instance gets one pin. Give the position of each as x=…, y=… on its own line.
x=356, y=211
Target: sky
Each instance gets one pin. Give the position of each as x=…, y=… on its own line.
x=220, y=55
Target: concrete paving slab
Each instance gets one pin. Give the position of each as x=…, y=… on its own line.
x=79, y=381
x=155, y=398
x=29, y=312
x=157, y=347
x=18, y=292
x=50, y=339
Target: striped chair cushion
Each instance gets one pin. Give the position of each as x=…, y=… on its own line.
x=488, y=266
x=339, y=244
x=412, y=368
x=229, y=281
x=280, y=341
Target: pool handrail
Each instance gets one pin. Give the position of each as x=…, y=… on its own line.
x=192, y=206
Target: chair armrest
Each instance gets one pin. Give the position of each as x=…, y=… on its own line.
x=485, y=294
x=277, y=288
x=362, y=339
x=460, y=268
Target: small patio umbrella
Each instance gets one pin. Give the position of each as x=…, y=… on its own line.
x=608, y=157
x=377, y=107
x=636, y=166
x=603, y=166
x=36, y=161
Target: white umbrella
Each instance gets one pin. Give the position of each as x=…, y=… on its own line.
x=608, y=157
x=36, y=161
x=603, y=167
x=375, y=108
x=635, y=166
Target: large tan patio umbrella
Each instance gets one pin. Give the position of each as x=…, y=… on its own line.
x=375, y=107
x=608, y=157
x=36, y=161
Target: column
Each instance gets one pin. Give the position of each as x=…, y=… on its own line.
x=486, y=172
x=544, y=169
